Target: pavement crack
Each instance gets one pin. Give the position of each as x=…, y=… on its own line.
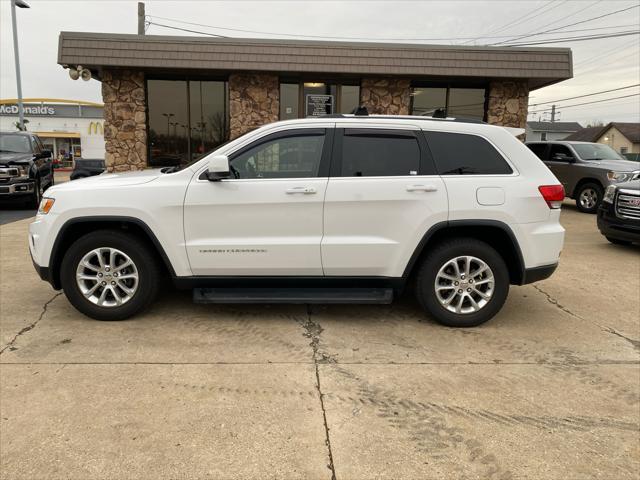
x=635, y=343
x=555, y=302
x=312, y=331
x=30, y=326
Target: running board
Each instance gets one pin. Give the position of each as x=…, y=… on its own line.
x=292, y=295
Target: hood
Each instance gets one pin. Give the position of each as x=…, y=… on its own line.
x=632, y=185
x=7, y=157
x=109, y=180
x=617, y=165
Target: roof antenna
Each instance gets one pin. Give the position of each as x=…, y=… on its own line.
x=360, y=111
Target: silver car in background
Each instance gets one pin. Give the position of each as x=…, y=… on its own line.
x=585, y=169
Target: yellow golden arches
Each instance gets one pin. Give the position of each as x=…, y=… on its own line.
x=95, y=128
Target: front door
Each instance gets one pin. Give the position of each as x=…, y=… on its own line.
x=267, y=219
x=559, y=162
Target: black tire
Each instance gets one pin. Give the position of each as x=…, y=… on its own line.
x=589, y=189
x=437, y=258
x=145, y=263
x=34, y=200
x=616, y=241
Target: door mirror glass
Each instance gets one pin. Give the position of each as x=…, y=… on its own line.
x=44, y=154
x=218, y=168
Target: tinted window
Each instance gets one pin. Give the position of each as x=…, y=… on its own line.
x=375, y=154
x=461, y=154
x=557, y=151
x=287, y=157
x=538, y=149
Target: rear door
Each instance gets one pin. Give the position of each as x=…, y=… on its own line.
x=383, y=195
x=267, y=220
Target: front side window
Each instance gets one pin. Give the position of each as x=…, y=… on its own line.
x=560, y=153
x=463, y=154
x=296, y=156
x=367, y=153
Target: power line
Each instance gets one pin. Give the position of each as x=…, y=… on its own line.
x=295, y=35
x=571, y=24
x=184, y=29
x=588, y=103
x=576, y=39
x=586, y=95
x=620, y=49
x=519, y=20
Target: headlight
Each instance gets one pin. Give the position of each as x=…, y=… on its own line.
x=23, y=170
x=609, y=194
x=45, y=205
x=619, y=176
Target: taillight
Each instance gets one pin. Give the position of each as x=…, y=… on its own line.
x=552, y=194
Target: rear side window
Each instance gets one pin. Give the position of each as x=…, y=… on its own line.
x=371, y=153
x=463, y=154
x=539, y=149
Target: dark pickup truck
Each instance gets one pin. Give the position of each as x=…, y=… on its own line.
x=26, y=170
x=619, y=213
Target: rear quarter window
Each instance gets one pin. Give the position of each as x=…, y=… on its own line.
x=465, y=154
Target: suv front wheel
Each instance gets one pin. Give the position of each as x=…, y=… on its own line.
x=589, y=197
x=463, y=282
x=109, y=275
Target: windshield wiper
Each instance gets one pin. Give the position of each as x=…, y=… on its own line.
x=461, y=171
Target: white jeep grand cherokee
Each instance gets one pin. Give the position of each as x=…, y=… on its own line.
x=338, y=209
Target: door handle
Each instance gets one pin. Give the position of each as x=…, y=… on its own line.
x=304, y=190
x=421, y=188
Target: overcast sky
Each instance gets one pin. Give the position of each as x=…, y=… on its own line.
x=601, y=64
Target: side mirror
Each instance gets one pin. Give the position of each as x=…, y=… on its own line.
x=45, y=154
x=562, y=157
x=218, y=168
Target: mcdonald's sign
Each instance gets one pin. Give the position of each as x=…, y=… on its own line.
x=95, y=128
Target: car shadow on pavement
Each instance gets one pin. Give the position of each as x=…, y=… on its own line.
x=12, y=212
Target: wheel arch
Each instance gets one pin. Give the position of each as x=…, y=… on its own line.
x=77, y=227
x=495, y=233
x=582, y=181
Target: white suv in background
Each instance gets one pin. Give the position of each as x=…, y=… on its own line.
x=335, y=209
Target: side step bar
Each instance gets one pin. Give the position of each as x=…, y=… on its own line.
x=292, y=295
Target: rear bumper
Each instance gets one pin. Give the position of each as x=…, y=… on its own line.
x=536, y=274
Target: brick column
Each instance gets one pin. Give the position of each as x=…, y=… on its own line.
x=125, y=127
x=254, y=100
x=385, y=96
x=508, y=103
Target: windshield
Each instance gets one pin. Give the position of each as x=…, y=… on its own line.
x=14, y=143
x=596, y=151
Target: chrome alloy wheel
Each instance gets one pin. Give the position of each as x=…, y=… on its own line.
x=464, y=285
x=107, y=277
x=588, y=198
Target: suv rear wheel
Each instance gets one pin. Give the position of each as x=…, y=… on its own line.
x=109, y=275
x=462, y=282
x=589, y=197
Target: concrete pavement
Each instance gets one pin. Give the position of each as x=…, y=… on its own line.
x=548, y=389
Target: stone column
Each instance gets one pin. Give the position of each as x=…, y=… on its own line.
x=254, y=100
x=508, y=103
x=125, y=124
x=386, y=96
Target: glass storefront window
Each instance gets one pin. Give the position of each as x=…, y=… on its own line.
x=466, y=102
x=289, y=99
x=349, y=98
x=455, y=102
x=186, y=119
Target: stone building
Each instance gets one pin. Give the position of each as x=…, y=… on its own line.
x=169, y=99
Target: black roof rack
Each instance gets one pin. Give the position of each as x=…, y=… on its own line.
x=391, y=117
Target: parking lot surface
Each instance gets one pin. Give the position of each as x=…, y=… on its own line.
x=548, y=389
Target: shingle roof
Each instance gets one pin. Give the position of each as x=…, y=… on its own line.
x=541, y=66
x=554, y=126
x=591, y=134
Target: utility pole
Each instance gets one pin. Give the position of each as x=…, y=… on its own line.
x=141, y=17
x=20, y=4
x=553, y=113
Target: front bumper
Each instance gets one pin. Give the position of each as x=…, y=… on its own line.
x=610, y=225
x=15, y=188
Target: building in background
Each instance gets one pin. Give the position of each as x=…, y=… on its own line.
x=623, y=137
x=69, y=128
x=169, y=99
x=549, y=131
